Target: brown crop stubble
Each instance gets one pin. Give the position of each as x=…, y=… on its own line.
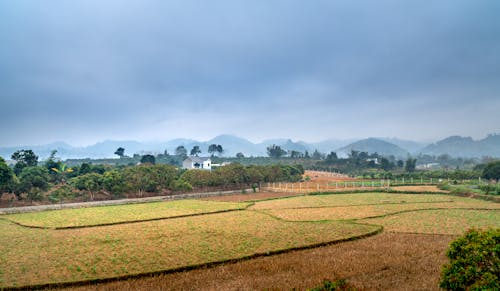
x=388, y=261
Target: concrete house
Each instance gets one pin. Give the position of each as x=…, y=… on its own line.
x=197, y=163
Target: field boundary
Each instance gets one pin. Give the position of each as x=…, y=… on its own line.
x=196, y=266
x=354, y=205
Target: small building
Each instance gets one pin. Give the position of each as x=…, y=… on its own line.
x=197, y=163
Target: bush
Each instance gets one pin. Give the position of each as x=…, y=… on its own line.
x=181, y=185
x=474, y=262
x=493, y=189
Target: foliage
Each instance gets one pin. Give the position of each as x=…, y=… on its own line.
x=181, y=185
x=275, y=151
x=148, y=159
x=33, y=180
x=240, y=155
x=120, y=152
x=195, y=150
x=493, y=189
x=6, y=176
x=215, y=148
x=24, y=158
x=492, y=171
x=114, y=182
x=474, y=262
x=91, y=182
x=61, y=193
x=410, y=165
x=181, y=151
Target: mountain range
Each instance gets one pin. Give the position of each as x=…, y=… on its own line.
x=455, y=146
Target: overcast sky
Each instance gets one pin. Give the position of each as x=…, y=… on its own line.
x=82, y=71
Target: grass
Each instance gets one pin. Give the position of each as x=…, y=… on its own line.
x=449, y=221
x=388, y=261
x=359, y=212
x=330, y=200
x=119, y=213
x=37, y=256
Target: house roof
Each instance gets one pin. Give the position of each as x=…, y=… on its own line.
x=197, y=159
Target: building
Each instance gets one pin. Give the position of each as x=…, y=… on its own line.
x=197, y=163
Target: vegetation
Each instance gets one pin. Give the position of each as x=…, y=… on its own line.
x=474, y=262
x=84, y=217
x=492, y=171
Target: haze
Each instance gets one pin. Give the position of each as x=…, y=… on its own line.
x=85, y=71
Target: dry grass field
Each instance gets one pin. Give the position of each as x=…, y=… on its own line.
x=408, y=255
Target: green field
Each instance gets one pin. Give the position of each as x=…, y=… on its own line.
x=31, y=256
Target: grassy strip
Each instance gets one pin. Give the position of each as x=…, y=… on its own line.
x=119, y=214
x=349, y=199
x=124, y=222
x=443, y=221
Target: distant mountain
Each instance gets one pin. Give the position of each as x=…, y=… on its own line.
x=458, y=146
x=454, y=146
x=409, y=145
x=373, y=145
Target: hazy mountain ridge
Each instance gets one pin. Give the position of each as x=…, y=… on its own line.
x=458, y=146
x=373, y=145
x=454, y=146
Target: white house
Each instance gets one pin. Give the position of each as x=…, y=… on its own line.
x=197, y=163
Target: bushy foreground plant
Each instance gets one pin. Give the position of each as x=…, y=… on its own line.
x=474, y=262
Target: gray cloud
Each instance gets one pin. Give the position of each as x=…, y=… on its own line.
x=82, y=71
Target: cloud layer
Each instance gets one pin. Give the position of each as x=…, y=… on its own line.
x=83, y=71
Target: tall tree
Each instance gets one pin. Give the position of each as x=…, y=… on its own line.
x=6, y=176
x=492, y=171
x=33, y=180
x=148, y=159
x=181, y=151
x=212, y=149
x=120, y=152
x=195, y=150
x=220, y=150
x=240, y=155
x=275, y=151
x=410, y=165
x=24, y=158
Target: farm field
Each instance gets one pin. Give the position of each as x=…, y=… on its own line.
x=47, y=256
x=82, y=217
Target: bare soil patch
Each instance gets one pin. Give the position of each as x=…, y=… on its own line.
x=389, y=261
x=250, y=196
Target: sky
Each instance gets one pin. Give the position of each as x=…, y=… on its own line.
x=84, y=71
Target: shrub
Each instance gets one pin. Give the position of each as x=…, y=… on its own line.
x=181, y=185
x=474, y=262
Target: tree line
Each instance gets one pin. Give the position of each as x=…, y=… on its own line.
x=55, y=181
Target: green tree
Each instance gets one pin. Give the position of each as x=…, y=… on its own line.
x=240, y=155
x=195, y=150
x=275, y=151
x=91, y=182
x=61, y=193
x=317, y=155
x=120, y=152
x=410, y=165
x=296, y=154
x=212, y=149
x=148, y=159
x=114, y=182
x=142, y=178
x=181, y=152
x=6, y=177
x=33, y=181
x=220, y=149
x=385, y=164
x=24, y=158
x=492, y=171
x=474, y=262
